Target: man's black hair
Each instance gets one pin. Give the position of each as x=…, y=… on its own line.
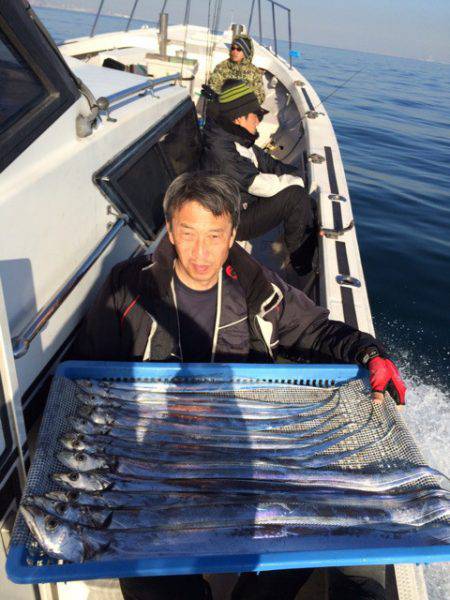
x=217, y=193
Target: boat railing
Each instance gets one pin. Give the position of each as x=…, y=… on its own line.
x=21, y=343
x=274, y=6
x=131, y=15
x=104, y=103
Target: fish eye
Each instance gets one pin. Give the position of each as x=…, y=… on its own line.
x=80, y=457
x=50, y=523
x=72, y=496
x=60, y=508
x=73, y=476
x=76, y=443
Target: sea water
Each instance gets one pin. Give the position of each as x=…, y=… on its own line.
x=392, y=121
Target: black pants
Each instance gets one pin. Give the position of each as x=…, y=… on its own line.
x=270, y=585
x=291, y=207
x=182, y=587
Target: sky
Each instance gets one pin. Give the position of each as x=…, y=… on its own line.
x=409, y=28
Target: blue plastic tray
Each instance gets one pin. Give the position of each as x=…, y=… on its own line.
x=323, y=551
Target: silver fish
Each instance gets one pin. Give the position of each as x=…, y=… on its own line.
x=170, y=466
x=112, y=499
x=74, y=543
x=92, y=386
x=250, y=480
x=129, y=462
x=142, y=435
x=220, y=408
x=341, y=497
x=117, y=447
x=60, y=539
x=184, y=422
x=248, y=512
x=235, y=398
x=83, y=462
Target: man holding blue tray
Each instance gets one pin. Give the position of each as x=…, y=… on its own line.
x=201, y=298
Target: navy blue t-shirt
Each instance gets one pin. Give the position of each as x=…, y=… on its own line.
x=197, y=316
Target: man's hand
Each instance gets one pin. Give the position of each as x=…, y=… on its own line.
x=384, y=376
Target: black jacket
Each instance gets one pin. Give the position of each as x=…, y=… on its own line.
x=134, y=316
x=229, y=149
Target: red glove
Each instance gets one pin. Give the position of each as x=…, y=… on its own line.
x=384, y=375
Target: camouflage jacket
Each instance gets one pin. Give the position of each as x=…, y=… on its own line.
x=244, y=70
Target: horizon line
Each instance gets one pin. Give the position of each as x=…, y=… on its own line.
x=42, y=4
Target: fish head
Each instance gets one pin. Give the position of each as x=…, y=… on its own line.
x=82, y=461
x=77, y=497
x=96, y=414
x=101, y=416
x=59, y=539
x=63, y=496
x=88, y=516
x=85, y=385
x=89, y=399
x=73, y=441
x=89, y=482
x=82, y=425
x=94, y=401
x=86, y=411
x=93, y=388
x=62, y=510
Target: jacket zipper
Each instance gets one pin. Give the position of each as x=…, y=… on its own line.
x=148, y=345
x=218, y=315
x=172, y=288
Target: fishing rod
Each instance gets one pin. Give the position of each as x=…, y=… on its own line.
x=314, y=114
x=311, y=112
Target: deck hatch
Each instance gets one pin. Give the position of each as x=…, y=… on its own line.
x=136, y=181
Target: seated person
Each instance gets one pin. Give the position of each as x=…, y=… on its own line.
x=239, y=66
x=272, y=192
x=200, y=297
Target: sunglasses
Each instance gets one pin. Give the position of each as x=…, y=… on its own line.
x=236, y=48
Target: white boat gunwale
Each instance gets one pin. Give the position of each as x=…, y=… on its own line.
x=338, y=249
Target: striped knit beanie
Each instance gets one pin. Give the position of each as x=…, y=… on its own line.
x=237, y=99
x=244, y=44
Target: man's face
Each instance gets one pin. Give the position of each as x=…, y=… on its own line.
x=249, y=122
x=202, y=242
x=236, y=54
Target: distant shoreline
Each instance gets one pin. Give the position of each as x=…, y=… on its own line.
x=51, y=6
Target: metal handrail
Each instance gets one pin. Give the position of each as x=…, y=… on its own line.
x=274, y=5
x=104, y=102
x=21, y=343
